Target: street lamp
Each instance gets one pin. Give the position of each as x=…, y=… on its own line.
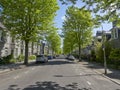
x=103, y=46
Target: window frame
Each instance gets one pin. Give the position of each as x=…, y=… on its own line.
x=115, y=33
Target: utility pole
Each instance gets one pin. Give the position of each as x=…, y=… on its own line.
x=103, y=43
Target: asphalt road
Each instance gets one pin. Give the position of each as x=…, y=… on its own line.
x=57, y=74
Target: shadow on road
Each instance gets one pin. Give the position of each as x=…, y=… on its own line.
x=49, y=85
x=78, y=75
x=52, y=62
x=11, y=66
x=17, y=66
x=112, y=73
x=59, y=62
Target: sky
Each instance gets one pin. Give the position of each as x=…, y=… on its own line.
x=61, y=16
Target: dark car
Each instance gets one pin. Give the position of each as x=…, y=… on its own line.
x=54, y=56
x=41, y=59
x=50, y=57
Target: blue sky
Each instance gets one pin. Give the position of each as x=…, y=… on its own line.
x=61, y=12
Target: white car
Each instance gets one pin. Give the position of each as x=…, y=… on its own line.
x=41, y=58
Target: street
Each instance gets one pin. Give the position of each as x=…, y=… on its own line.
x=57, y=74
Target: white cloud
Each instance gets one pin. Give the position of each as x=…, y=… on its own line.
x=63, y=18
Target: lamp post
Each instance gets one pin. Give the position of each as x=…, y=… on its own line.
x=104, y=54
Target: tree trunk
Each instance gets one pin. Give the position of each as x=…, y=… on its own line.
x=37, y=49
x=48, y=50
x=12, y=47
x=79, y=45
x=79, y=52
x=32, y=48
x=26, y=53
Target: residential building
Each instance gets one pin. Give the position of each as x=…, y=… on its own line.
x=98, y=36
x=8, y=45
x=115, y=40
x=5, y=41
x=115, y=34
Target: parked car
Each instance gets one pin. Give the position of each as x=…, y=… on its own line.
x=41, y=59
x=50, y=57
x=54, y=56
x=71, y=57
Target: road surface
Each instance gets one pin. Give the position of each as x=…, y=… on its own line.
x=57, y=74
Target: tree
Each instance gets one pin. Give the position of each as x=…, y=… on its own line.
x=55, y=42
x=69, y=41
x=109, y=9
x=115, y=56
x=68, y=1
x=27, y=18
x=80, y=21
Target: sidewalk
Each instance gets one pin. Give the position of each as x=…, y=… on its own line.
x=11, y=67
x=112, y=74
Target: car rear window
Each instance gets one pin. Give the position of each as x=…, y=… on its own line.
x=40, y=55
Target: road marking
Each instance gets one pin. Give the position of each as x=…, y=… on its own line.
x=80, y=73
x=33, y=68
x=26, y=72
x=88, y=83
x=16, y=77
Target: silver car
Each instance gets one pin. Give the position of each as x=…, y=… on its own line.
x=41, y=59
x=71, y=57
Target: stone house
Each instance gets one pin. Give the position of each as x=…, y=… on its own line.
x=98, y=38
x=17, y=47
x=115, y=40
x=5, y=41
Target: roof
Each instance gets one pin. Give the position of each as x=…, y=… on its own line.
x=98, y=33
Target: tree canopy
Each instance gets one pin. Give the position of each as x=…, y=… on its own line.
x=27, y=18
x=79, y=21
x=68, y=1
x=54, y=41
x=106, y=10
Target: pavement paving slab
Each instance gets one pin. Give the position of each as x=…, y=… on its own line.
x=112, y=74
x=11, y=67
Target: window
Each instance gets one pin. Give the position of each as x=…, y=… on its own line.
x=0, y=34
x=3, y=36
x=16, y=52
x=115, y=33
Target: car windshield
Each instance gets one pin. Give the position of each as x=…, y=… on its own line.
x=40, y=55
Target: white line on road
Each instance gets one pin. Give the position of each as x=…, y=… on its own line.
x=26, y=72
x=16, y=77
x=33, y=68
x=80, y=73
x=88, y=83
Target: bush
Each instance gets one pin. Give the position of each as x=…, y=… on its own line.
x=13, y=60
x=20, y=58
x=32, y=57
x=115, y=57
x=93, y=56
x=100, y=53
x=83, y=56
x=6, y=60
x=75, y=55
